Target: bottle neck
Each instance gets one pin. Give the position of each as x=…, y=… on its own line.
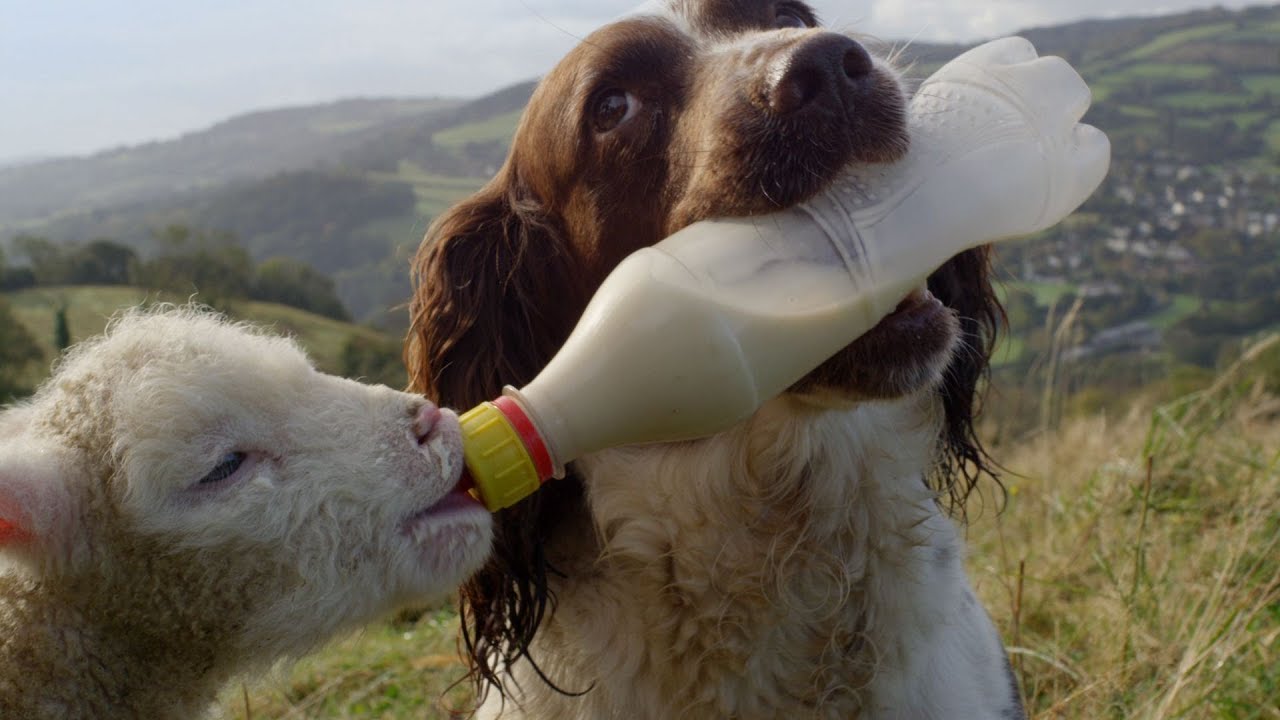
x=506, y=457
x=529, y=436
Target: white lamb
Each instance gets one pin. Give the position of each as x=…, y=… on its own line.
x=187, y=500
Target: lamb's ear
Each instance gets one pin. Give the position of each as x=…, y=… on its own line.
x=495, y=295
x=37, y=508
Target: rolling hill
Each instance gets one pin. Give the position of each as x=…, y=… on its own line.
x=88, y=308
x=255, y=145
x=355, y=207
x=1191, y=102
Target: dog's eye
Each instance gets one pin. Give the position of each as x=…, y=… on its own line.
x=611, y=108
x=787, y=17
x=225, y=468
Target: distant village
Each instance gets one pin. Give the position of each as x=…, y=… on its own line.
x=1179, y=228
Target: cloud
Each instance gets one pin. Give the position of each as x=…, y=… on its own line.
x=84, y=76
x=946, y=20
x=957, y=20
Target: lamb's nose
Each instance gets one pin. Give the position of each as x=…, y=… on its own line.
x=425, y=421
x=817, y=67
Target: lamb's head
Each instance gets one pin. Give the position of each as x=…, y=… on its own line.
x=182, y=472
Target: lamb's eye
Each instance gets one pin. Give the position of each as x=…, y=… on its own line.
x=787, y=17
x=610, y=108
x=225, y=468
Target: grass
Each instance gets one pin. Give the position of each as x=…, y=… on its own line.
x=1008, y=351
x=89, y=307
x=393, y=671
x=1259, y=84
x=415, y=175
x=1203, y=100
x=435, y=199
x=1180, y=307
x=434, y=193
x=1173, y=39
x=1101, y=90
x=1162, y=71
x=500, y=128
x=1246, y=120
x=1134, y=573
x=1273, y=136
x=403, y=233
x=1139, y=111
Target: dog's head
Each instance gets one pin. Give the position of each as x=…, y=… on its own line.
x=712, y=108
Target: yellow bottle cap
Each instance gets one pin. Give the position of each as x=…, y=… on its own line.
x=499, y=463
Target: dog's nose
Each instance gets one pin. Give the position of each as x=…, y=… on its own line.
x=817, y=66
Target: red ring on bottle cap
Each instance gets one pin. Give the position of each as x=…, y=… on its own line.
x=528, y=433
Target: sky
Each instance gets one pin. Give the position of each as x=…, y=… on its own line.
x=79, y=76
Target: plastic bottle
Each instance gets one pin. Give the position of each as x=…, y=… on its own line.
x=690, y=336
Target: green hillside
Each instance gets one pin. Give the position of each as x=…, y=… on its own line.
x=357, y=218
x=248, y=146
x=89, y=308
x=1211, y=72
x=1191, y=102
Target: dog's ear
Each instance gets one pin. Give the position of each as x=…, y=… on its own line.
x=497, y=289
x=964, y=285
x=495, y=295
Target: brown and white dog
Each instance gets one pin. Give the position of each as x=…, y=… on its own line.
x=801, y=564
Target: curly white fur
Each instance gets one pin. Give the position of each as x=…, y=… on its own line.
x=794, y=567
x=136, y=582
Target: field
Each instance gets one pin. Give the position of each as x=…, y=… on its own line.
x=1273, y=136
x=1173, y=39
x=434, y=193
x=399, y=670
x=497, y=128
x=1134, y=572
x=88, y=309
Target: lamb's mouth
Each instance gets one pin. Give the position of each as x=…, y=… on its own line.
x=457, y=505
x=446, y=541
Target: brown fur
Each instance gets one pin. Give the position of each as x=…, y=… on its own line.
x=501, y=278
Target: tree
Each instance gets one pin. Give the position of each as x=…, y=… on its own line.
x=298, y=285
x=61, y=329
x=1022, y=311
x=373, y=360
x=211, y=265
x=47, y=260
x=102, y=262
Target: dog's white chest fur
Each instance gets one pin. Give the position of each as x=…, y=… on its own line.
x=796, y=566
